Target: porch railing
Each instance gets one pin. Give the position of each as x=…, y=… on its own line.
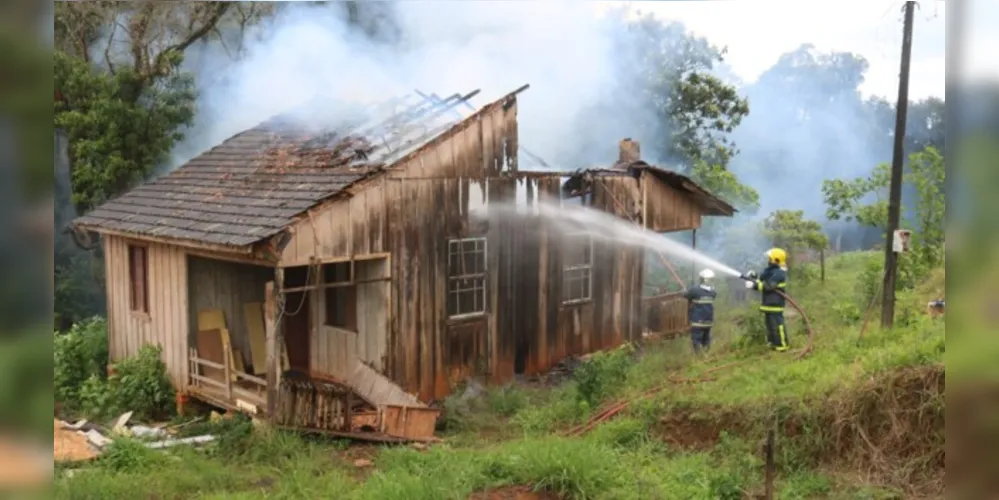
x=253, y=388
x=665, y=314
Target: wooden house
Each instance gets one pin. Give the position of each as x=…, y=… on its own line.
x=317, y=278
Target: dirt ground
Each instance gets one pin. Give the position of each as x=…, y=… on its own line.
x=512, y=493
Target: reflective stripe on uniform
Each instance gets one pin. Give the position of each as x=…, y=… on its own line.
x=759, y=285
x=772, y=309
x=703, y=301
x=783, y=337
x=701, y=325
x=782, y=285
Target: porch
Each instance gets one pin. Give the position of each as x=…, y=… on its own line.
x=300, y=347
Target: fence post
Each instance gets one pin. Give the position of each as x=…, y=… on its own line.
x=822, y=263
x=769, y=469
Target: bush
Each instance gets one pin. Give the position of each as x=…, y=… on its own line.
x=603, y=373
x=911, y=271
x=139, y=384
x=79, y=354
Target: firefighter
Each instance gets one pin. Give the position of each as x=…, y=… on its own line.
x=700, y=300
x=772, y=280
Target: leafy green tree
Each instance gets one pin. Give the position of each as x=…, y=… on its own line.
x=851, y=200
x=790, y=230
x=698, y=110
x=723, y=182
x=926, y=173
x=119, y=126
x=845, y=199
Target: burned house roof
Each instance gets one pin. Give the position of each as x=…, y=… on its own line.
x=256, y=183
x=709, y=203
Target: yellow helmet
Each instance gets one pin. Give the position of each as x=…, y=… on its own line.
x=777, y=256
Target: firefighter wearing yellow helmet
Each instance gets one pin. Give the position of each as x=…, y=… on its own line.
x=772, y=280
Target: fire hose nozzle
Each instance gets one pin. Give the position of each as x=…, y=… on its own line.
x=748, y=276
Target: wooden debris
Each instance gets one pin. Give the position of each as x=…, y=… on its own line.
x=97, y=439
x=361, y=463
x=119, y=424
x=70, y=445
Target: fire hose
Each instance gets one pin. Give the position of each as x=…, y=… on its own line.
x=808, y=324
x=615, y=408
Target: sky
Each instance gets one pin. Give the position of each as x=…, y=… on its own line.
x=757, y=32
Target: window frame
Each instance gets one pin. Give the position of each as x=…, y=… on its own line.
x=137, y=306
x=581, y=270
x=455, y=248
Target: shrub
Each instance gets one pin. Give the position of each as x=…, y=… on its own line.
x=79, y=354
x=139, y=384
x=506, y=401
x=600, y=375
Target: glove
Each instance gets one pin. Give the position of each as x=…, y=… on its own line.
x=750, y=285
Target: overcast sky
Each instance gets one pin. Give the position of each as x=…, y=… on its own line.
x=757, y=32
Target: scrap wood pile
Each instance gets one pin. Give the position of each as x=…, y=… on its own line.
x=312, y=403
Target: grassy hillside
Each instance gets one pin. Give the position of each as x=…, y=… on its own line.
x=855, y=419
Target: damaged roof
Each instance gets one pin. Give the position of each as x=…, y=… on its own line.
x=256, y=183
x=709, y=203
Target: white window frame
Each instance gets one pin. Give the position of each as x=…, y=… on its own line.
x=577, y=271
x=455, y=277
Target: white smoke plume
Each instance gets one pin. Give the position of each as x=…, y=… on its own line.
x=563, y=50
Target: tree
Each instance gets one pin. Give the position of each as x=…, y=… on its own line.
x=788, y=229
x=845, y=198
x=851, y=200
x=120, y=126
x=696, y=109
x=926, y=173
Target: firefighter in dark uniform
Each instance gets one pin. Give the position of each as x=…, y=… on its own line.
x=701, y=301
x=768, y=283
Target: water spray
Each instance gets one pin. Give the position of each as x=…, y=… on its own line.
x=607, y=227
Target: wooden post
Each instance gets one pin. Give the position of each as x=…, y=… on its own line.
x=693, y=263
x=769, y=470
x=822, y=264
x=895, y=186
x=270, y=324
x=228, y=371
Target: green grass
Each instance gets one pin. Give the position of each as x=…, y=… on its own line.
x=509, y=436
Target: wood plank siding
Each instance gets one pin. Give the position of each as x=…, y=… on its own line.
x=166, y=323
x=410, y=214
x=668, y=209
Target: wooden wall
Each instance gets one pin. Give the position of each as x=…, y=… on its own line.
x=334, y=350
x=480, y=147
x=166, y=324
x=411, y=213
x=216, y=284
x=667, y=209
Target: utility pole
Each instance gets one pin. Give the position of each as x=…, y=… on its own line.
x=895, y=190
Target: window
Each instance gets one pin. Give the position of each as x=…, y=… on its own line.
x=577, y=268
x=341, y=302
x=466, y=270
x=138, y=272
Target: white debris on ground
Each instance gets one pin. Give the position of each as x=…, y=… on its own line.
x=83, y=440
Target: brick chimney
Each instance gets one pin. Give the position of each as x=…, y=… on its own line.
x=629, y=151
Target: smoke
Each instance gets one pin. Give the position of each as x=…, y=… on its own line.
x=315, y=55
x=315, y=63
